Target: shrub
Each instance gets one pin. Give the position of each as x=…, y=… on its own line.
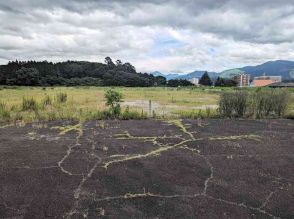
x=270, y=102
x=113, y=100
x=280, y=99
x=240, y=103
x=29, y=104
x=233, y=104
x=61, y=97
x=263, y=103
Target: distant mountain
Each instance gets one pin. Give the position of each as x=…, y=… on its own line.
x=230, y=73
x=169, y=76
x=279, y=67
x=172, y=76
x=194, y=74
x=198, y=74
x=157, y=73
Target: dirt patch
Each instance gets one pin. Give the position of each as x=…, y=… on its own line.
x=163, y=108
x=148, y=169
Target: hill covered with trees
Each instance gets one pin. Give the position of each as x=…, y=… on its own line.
x=73, y=73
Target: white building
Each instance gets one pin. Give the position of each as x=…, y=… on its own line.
x=194, y=81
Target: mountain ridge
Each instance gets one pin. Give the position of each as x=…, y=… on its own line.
x=285, y=68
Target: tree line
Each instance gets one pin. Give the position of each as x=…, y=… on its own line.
x=74, y=73
x=82, y=73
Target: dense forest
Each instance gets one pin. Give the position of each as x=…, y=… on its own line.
x=73, y=73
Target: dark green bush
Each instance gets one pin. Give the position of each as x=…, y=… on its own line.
x=113, y=100
x=233, y=104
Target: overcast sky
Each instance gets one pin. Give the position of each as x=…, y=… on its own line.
x=164, y=35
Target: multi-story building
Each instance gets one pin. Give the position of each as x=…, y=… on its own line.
x=243, y=80
x=262, y=81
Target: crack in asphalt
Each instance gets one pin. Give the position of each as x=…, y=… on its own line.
x=244, y=206
x=35, y=168
x=164, y=148
x=79, y=129
x=156, y=152
x=144, y=195
x=119, y=158
x=181, y=145
x=78, y=190
x=210, y=177
x=267, y=200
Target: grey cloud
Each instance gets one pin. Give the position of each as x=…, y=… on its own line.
x=64, y=29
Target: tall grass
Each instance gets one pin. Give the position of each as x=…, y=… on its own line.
x=263, y=103
x=86, y=104
x=196, y=114
x=2, y=106
x=29, y=104
x=128, y=114
x=233, y=104
x=4, y=113
x=270, y=103
x=61, y=98
x=47, y=101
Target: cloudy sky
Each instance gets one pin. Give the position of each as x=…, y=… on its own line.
x=164, y=35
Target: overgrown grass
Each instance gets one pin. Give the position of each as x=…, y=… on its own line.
x=85, y=103
x=233, y=104
x=262, y=103
x=47, y=101
x=61, y=97
x=4, y=113
x=128, y=114
x=29, y=104
x=196, y=114
x=267, y=103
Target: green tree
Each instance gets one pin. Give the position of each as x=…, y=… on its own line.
x=179, y=83
x=113, y=100
x=219, y=82
x=27, y=76
x=75, y=73
x=205, y=80
x=109, y=63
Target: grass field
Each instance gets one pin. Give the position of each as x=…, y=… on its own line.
x=86, y=102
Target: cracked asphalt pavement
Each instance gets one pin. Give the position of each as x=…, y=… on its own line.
x=148, y=169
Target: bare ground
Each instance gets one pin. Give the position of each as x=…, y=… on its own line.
x=148, y=169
